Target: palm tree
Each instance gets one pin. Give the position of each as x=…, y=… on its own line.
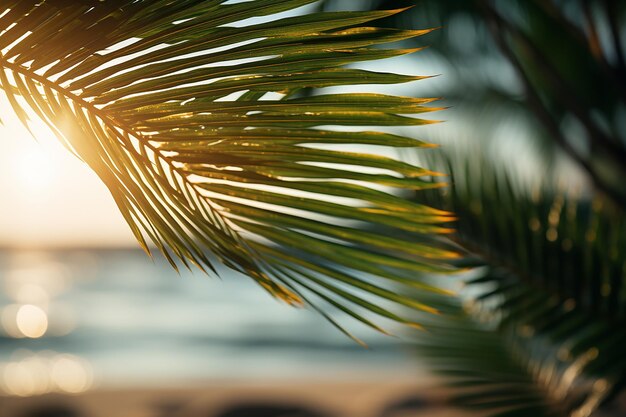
x=198, y=117
x=539, y=327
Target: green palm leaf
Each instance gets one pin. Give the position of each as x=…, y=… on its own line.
x=546, y=306
x=190, y=113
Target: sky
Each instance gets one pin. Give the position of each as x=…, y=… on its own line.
x=48, y=197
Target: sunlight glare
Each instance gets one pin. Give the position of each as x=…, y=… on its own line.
x=34, y=171
x=19, y=380
x=71, y=375
x=50, y=197
x=36, y=374
x=32, y=321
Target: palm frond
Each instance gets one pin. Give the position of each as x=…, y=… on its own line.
x=479, y=366
x=190, y=113
x=549, y=289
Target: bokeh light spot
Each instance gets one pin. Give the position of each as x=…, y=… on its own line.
x=32, y=321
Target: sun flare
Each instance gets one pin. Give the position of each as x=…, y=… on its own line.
x=50, y=197
x=34, y=169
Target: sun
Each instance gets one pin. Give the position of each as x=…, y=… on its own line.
x=48, y=197
x=33, y=168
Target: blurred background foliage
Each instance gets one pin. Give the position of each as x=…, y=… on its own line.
x=538, y=96
x=553, y=68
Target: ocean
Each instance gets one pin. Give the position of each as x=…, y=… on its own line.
x=78, y=319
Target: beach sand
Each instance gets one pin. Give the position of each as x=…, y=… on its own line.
x=364, y=398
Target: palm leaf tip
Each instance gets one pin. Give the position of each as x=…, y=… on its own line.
x=198, y=127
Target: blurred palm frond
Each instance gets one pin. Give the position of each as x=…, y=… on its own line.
x=558, y=65
x=541, y=326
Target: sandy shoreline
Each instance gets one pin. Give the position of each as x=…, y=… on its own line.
x=358, y=398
